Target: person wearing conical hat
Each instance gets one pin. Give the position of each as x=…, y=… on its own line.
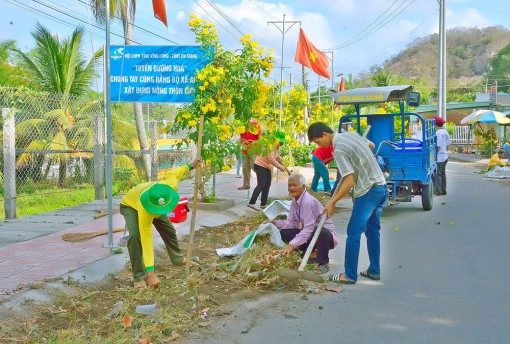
x=145, y=205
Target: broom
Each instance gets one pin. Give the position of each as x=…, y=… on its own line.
x=80, y=237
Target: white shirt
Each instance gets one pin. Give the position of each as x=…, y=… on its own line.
x=443, y=141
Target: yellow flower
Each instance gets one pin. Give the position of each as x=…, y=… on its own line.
x=201, y=88
x=225, y=168
x=186, y=115
x=215, y=120
x=192, y=123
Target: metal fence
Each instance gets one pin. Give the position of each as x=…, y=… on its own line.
x=462, y=135
x=53, y=147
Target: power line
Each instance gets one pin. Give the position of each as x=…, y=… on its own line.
x=360, y=36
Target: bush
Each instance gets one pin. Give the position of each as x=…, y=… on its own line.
x=300, y=154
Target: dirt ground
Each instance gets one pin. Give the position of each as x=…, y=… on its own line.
x=106, y=312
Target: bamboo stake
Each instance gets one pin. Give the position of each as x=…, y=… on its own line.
x=198, y=176
x=79, y=237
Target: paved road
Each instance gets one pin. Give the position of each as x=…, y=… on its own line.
x=444, y=280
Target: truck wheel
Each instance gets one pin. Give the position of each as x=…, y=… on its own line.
x=427, y=196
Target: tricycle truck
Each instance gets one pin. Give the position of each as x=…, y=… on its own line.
x=405, y=142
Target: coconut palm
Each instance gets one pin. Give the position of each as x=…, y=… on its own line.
x=59, y=66
x=126, y=10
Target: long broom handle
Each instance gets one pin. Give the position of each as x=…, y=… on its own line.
x=312, y=242
x=195, y=195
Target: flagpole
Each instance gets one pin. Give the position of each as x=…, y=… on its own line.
x=283, y=30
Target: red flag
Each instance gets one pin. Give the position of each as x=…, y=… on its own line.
x=308, y=55
x=159, y=10
x=341, y=88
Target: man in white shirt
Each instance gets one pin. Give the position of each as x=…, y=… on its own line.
x=443, y=141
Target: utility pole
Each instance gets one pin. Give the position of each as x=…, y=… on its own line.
x=332, y=66
x=441, y=87
x=283, y=30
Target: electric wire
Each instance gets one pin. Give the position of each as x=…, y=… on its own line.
x=386, y=20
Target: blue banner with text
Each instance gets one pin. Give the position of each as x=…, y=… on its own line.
x=155, y=74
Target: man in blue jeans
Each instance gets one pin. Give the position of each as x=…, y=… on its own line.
x=358, y=167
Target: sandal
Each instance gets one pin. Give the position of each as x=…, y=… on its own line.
x=338, y=278
x=322, y=269
x=244, y=187
x=368, y=274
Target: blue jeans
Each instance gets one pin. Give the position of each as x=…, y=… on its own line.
x=365, y=217
x=506, y=148
x=319, y=171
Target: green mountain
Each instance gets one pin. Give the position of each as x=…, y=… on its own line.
x=468, y=52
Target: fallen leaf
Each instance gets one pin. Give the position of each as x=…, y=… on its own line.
x=396, y=228
x=144, y=341
x=438, y=222
x=246, y=228
x=443, y=203
x=205, y=323
x=452, y=222
x=175, y=336
x=477, y=213
x=335, y=290
x=127, y=321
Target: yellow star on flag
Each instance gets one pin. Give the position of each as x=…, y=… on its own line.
x=313, y=56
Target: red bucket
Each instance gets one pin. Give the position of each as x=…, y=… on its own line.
x=180, y=212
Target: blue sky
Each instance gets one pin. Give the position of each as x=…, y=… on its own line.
x=361, y=33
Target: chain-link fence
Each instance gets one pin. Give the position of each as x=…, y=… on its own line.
x=53, y=149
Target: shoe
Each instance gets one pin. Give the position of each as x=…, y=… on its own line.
x=322, y=269
x=263, y=206
x=312, y=261
x=338, y=278
x=253, y=206
x=369, y=275
x=328, y=193
x=244, y=187
x=140, y=284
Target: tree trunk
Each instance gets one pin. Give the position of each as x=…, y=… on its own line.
x=140, y=125
x=62, y=173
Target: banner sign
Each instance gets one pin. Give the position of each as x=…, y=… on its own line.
x=155, y=74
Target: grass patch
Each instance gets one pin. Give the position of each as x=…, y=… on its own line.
x=46, y=200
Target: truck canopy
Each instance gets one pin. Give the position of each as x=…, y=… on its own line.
x=372, y=95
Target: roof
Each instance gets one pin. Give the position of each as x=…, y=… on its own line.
x=433, y=107
x=371, y=94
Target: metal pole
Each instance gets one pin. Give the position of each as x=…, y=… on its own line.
x=441, y=87
x=283, y=31
x=108, y=129
x=281, y=74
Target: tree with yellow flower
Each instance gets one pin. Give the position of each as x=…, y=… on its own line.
x=229, y=91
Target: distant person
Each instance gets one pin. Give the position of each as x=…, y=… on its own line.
x=443, y=141
x=358, y=167
x=145, y=205
x=497, y=160
x=321, y=157
x=264, y=168
x=304, y=215
x=247, y=138
x=506, y=148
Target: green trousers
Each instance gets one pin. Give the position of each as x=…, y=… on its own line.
x=166, y=231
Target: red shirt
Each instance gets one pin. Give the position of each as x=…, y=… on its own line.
x=325, y=154
x=247, y=138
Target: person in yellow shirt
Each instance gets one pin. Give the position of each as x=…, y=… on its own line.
x=496, y=159
x=145, y=205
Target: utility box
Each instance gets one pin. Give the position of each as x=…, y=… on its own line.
x=180, y=212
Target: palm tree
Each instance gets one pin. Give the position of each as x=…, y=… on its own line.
x=126, y=10
x=60, y=67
